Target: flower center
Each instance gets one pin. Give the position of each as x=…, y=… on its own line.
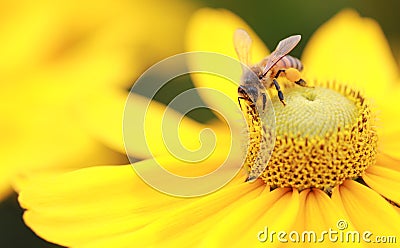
x=313, y=112
x=324, y=135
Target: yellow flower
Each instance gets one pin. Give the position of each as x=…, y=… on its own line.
x=109, y=206
x=58, y=61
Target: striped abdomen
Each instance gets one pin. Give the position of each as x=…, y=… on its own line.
x=288, y=62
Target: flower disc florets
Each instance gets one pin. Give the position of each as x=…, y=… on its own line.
x=324, y=135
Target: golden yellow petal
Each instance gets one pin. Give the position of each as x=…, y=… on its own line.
x=111, y=205
x=317, y=214
x=384, y=181
x=113, y=198
x=190, y=224
x=387, y=161
x=352, y=50
x=397, y=209
x=321, y=214
x=250, y=221
x=367, y=210
x=389, y=143
x=212, y=30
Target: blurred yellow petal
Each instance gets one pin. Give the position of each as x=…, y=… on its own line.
x=68, y=31
x=389, y=130
x=352, y=50
x=389, y=143
x=42, y=132
x=384, y=181
x=103, y=116
x=387, y=161
x=388, y=111
x=367, y=210
x=57, y=58
x=212, y=30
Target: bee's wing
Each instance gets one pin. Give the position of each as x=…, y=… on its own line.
x=242, y=43
x=284, y=47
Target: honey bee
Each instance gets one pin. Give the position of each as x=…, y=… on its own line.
x=254, y=82
x=265, y=73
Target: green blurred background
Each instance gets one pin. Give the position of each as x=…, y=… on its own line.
x=271, y=20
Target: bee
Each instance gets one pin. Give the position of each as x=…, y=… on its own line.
x=254, y=82
x=265, y=73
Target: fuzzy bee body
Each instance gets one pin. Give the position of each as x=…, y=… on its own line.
x=252, y=90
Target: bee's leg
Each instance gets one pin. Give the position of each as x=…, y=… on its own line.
x=301, y=82
x=279, y=72
x=280, y=94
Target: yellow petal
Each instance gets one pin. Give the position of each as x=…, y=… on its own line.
x=212, y=30
x=113, y=198
x=249, y=222
x=56, y=57
x=367, y=210
x=387, y=161
x=102, y=117
x=44, y=127
x=110, y=204
x=389, y=143
x=318, y=214
x=352, y=50
x=65, y=34
x=151, y=129
x=384, y=181
x=388, y=112
x=189, y=225
x=146, y=125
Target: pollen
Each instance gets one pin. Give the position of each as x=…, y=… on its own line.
x=324, y=135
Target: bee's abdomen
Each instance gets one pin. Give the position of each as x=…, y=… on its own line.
x=289, y=62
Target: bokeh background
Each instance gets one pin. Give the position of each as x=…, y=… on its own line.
x=156, y=27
